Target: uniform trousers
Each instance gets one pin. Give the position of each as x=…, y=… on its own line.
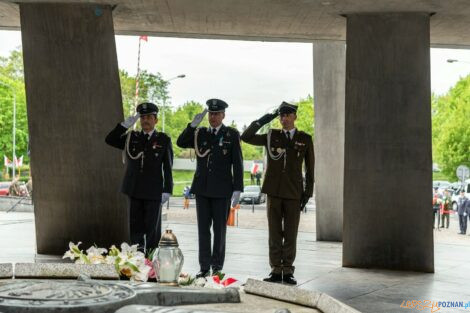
x=445, y=220
x=145, y=223
x=212, y=212
x=463, y=223
x=436, y=213
x=283, y=225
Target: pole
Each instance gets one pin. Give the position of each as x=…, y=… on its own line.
x=14, y=134
x=163, y=115
x=137, y=76
x=164, y=100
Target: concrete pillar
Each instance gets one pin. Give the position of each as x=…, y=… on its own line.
x=387, y=168
x=73, y=100
x=329, y=66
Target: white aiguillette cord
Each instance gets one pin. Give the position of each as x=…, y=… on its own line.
x=196, y=147
x=281, y=152
x=126, y=150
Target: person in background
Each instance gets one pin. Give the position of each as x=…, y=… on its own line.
x=446, y=209
x=436, y=207
x=462, y=209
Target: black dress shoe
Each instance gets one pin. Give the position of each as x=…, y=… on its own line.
x=289, y=279
x=274, y=278
x=202, y=274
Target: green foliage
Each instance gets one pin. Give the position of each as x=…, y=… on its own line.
x=152, y=88
x=305, y=116
x=176, y=121
x=12, y=83
x=451, y=128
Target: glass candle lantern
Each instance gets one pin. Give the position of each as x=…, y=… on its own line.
x=169, y=259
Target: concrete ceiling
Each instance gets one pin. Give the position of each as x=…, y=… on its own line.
x=271, y=20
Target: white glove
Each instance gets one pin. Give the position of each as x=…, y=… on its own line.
x=198, y=118
x=235, y=198
x=464, y=214
x=165, y=197
x=130, y=120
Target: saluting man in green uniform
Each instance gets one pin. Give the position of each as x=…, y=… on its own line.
x=288, y=149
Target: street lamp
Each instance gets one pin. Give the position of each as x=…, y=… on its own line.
x=14, y=124
x=455, y=61
x=164, y=100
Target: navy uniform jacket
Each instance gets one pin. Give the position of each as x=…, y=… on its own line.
x=463, y=205
x=147, y=182
x=285, y=181
x=213, y=177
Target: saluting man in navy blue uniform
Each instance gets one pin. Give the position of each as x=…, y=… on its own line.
x=217, y=183
x=148, y=181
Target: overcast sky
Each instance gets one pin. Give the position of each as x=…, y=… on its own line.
x=251, y=76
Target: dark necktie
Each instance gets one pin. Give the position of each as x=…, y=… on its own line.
x=213, y=132
x=288, y=135
x=146, y=136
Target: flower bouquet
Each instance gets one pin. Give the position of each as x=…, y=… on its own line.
x=128, y=262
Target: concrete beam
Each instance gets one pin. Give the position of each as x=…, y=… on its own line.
x=329, y=66
x=73, y=99
x=387, y=168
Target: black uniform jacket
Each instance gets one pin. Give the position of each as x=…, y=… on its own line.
x=285, y=181
x=155, y=176
x=214, y=177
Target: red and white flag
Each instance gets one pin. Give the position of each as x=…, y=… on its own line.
x=145, y=38
x=254, y=168
x=18, y=162
x=6, y=161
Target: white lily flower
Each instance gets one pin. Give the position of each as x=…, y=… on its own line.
x=69, y=254
x=126, y=249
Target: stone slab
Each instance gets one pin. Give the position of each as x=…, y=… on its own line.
x=282, y=292
x=6, y=270
x=73, y=296
x=155, y=294
x=313, y=299
x=329, y=304
x=64, y=270
x=160, y=309
x=163, y=309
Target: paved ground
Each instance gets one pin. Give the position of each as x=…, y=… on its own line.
x=318, y=263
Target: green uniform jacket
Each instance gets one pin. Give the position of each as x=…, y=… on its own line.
x=285, y=181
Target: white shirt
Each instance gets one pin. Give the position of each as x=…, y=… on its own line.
x=290, y=132
x=150, y=133
x=216, y=129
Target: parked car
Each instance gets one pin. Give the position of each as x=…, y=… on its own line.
x=456, y=194
x=4, y=188
x=252, y=194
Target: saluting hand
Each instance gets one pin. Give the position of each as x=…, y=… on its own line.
x=265, y=119
x=198, y=118
x=128, y=122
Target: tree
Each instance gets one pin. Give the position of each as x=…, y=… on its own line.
x=12, y=82
x=152, y=88
x=178, y=120
x=451, y=128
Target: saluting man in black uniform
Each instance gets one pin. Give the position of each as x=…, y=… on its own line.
x=148, y=181
x=218, y=154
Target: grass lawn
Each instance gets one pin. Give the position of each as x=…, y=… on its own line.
x=182, y=178
x=440, y=176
